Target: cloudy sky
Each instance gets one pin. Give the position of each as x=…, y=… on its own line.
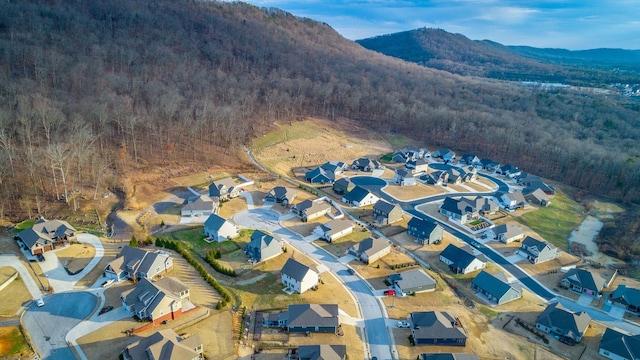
x=575, y=25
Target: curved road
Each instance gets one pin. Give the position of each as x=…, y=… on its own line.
x=374, y=320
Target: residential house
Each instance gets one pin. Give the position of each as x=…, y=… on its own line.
x=219, y=228
x=262, y=246
x=533, y=182
x=224, y=189
x=335, y=167
x=276, y=319
x=584, y=281
x=507, y=233
x=417, y=166
x=462, y=260
x=448, y=356
x=403, y=177
x=386, y=213
x=298, y=277
x=615, y=345
x=426, y=232
x=319, y=318
x=343, y=186
x=537, y=251
x=455, y=176
x=319, y=176
x=156, y=301
x=167, y=345
x=311, y=209
x=435, y=178
x=334, y=229
x=281, y=195
x=512, y=200
x=470, y=159
x=400, y=156
x=509, y=171
x=370, y=250
x=202, y=205
x=465, y=210
x=627, y=297
x=322, y=352
x=412, y=282
x=489, y=165
x=536, y=196
x=496, y=288
x=568, y=325
x=134, y=263
x=359, y=197
x=366, y=165
x=446, y=155
x=437, y=328
x=46, y=235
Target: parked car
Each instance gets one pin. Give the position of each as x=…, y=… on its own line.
x=40, y=302
x=105, y=309
x=351, y=271
x=390, y=292
x=403, y=324
x=107, y=283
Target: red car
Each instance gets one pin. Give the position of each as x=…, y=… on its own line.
x=390, y=292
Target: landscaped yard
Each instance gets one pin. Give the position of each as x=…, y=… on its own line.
x=556, y=221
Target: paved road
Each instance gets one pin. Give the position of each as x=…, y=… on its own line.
x=374, y=319
x=58, y=277
x=48, y=325
x=25, y=274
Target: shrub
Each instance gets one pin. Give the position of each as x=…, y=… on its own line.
x=211, y=257
x=134, y=242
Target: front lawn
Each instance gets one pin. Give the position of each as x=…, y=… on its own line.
x=556, y=221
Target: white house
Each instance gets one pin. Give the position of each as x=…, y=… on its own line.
x=202, y=205
x=359, y=197
x=334, y=229
x=220, y=229
x=298, y=277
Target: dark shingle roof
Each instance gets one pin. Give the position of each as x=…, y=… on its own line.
x=384, y=207
x=570, y=324
x=461, y=257
x=538, y=244
x=356, y=194
x=448, y=356
x=422, y=225
x=626, y=295
x=214, y=222
x=625, y=346
x=322, y=352
x=585, y=279
x=295, y=269
x=496, y=285
x=436, y=325
x=306, y=315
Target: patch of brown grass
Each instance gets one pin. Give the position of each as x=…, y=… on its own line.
x=412, y=192
x=13, y=344
x=111, y=250
x=340, y=246
x=14, y=296
x=232, y=207
x=76, y=257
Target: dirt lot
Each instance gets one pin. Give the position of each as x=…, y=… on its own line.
x=14, y=296
x=413, y=192
x=396, y=228
x=232, y=207
x=111, y=250
x=305, y=228
x=76, y=257
x=13, y=344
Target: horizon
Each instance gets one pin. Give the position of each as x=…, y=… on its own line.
x=571, y=25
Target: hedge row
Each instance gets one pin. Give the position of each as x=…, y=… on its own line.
x=211, y=259
x=175, y=245
x=404, y=265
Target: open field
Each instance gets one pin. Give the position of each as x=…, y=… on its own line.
x=556, y=221
x=14, y=296
x=305, y=228
x=417, y=191
x=313, y=142
x=13, y=344
x=76, y=257
x=232, y=207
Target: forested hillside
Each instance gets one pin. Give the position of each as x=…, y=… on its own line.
x=92, y=89
x=457, y=54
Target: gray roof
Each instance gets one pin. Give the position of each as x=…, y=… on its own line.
x=384, y=207
x=496, y=285
x=150, y=259
x=435, y=325
x=295, y=269
x=45, y=231
x=322, y=352
x=461, y=257
x=203, y=202
x=336, y=226
x=570, y=324
x=261, y=240
x=364, y=162
x=281, y=192
x=508, y=230
x=625, y=346
x=371, y=246
x=214, y=222
x=626, y=295
x=333, y=166
x=403, y=173
x=222, y=186
x=356, y=194
x=165, y=345
x=310, y=315
x=448, y=356
x=319, y=171
x=128, y=258
x=585, y=279
x=343, y=182
x=311, y=207
x=538, y=244
x=414, y=280
x=147, y=295
x=422, y=225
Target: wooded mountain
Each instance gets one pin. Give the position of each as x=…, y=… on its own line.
x=457, y=54
x=92, y=88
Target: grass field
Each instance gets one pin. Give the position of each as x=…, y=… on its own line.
x=556, y=221
x=14, y=295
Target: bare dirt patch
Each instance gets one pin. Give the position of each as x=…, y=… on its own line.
x=413, y=192
x=232, y=207
x=13, y=344
x=76, y=257
x=395, y=228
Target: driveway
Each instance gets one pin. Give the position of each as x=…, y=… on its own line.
x=94, y=323
x=48, y=325
x=58, y=277
x=585, y=299
x=25, y=275
x=376, y=334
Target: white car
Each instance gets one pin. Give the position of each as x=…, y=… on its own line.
x=40, y=302
x=403, y=324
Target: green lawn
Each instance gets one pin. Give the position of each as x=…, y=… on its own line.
x=193, y=239
x=398, y=141
x=556, y=221
x=340, y=246
x=21, y=226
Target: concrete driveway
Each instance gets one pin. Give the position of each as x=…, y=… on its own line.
x=25, y=274
x=48, y=325
x=58, y=277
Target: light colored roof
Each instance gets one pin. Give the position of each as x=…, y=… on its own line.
x=45, y=231
x=203, y=203
x=337, y=225
x=570, y=324
x=371, y=246
x=322, y=352
x=413, y=279
x=305, y=315
x=164, y=345
x=508, y=230
x=129, y=257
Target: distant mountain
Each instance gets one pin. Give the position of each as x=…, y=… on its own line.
x=438, y=49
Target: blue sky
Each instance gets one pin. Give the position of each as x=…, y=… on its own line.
x=575, y=25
